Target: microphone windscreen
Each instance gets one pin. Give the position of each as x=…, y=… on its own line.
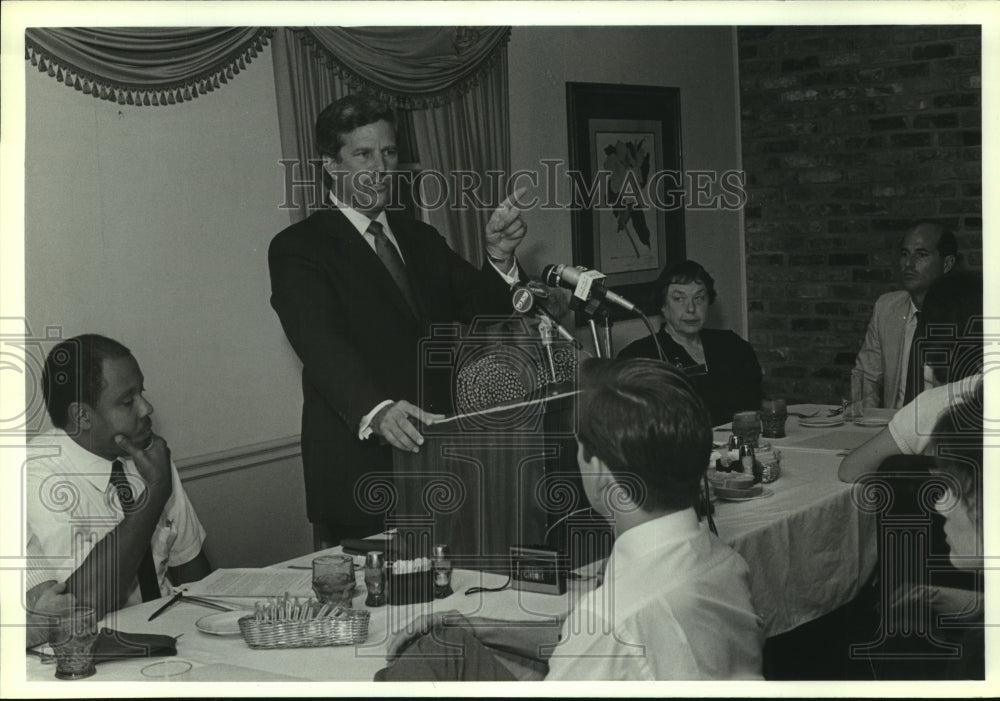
x=550, y=275
x=523, y=299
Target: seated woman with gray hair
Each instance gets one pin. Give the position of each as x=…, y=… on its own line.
x=721, y=366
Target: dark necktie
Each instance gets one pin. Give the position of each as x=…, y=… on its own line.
x=149, y=585
x=914, y=369
x=392, y=261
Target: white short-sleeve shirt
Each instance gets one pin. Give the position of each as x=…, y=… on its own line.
x=70, y=507
x=913, y=425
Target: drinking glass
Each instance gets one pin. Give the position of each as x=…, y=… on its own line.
x=333, y=579
x=854, y=408
x=72, y=639
x=746, y=425
x=773, y=413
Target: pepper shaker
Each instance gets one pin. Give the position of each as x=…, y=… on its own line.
x=442, y=572
x=747, y=458
x=375, y=578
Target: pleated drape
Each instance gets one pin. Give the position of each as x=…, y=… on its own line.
x=450, y=85
x=146, y=66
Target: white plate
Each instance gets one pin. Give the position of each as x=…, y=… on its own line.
x=822, y=422
x=224, y=623
x=763, y=495
x=873, y=422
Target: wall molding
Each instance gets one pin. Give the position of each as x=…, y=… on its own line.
x=239, y=458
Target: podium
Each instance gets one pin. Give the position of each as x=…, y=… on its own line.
x=485, y=481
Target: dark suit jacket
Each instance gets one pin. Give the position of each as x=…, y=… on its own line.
x=734, y=376
x=358, y=340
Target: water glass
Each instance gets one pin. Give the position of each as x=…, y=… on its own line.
x=333, y=579
x=773, y=414
x=72, y=638
x=746, y=425
x=854, y=408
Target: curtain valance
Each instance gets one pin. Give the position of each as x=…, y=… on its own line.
x=409, y=67
x=144, y=65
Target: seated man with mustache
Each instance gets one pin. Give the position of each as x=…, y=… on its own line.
x=103, y=479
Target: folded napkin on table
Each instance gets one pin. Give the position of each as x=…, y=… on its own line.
x=116, y=645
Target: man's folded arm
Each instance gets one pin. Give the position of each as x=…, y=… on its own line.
x=104, y=579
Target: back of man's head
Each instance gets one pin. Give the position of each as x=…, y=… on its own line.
x=74, y=372
x=644, y=421
x=344, y=116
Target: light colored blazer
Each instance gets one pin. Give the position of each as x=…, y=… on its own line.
x=882, y=360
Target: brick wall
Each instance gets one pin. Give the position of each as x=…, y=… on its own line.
x=849, y=135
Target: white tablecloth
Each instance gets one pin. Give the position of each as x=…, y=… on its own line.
x=809, y=550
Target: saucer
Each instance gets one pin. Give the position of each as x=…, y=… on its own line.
x=872, y=422
x=822, y=422
x=763, y=495
x=225, y=623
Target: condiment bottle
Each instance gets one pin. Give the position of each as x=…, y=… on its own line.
x=442, y=572
x=747, y=459
x=375, y=578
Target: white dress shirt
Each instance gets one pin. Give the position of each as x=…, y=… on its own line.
x=70, y=507
x=675, y=604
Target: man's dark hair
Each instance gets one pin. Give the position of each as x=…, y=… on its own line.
x=947, y=244
x=683, y=273
x=951, y=328
x=344, y=116
x=645, y=421
x=74, y=372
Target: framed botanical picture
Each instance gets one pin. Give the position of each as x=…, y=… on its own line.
x=627, y=212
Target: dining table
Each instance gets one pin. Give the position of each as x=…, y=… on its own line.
x=808, y=544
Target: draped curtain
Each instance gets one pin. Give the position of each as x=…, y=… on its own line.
x=143, y=65
x=451, y=83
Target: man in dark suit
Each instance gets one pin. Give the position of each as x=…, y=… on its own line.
x=356, y=287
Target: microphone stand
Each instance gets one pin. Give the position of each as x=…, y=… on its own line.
x=593, y=332
x=605, y=317
x=546, y=330
x=599, y=313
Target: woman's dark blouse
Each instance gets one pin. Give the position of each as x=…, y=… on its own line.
x=734, y=376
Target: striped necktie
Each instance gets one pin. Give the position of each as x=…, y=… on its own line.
x=392, y=261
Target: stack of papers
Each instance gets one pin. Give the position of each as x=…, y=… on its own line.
x=258, y=583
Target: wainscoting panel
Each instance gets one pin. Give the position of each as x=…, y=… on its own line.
x=251, y=501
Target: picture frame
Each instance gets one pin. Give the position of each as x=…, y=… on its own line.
x=628, y=216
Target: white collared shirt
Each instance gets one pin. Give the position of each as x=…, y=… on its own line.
x=675, y=604
x=70, y=507
x=361, y=222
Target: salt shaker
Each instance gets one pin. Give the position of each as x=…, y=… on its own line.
x=735, y=443
x=442, y=572
x=747, y=458
x=375, y=578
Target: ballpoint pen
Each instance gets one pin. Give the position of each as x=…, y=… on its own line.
x=173, y=600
